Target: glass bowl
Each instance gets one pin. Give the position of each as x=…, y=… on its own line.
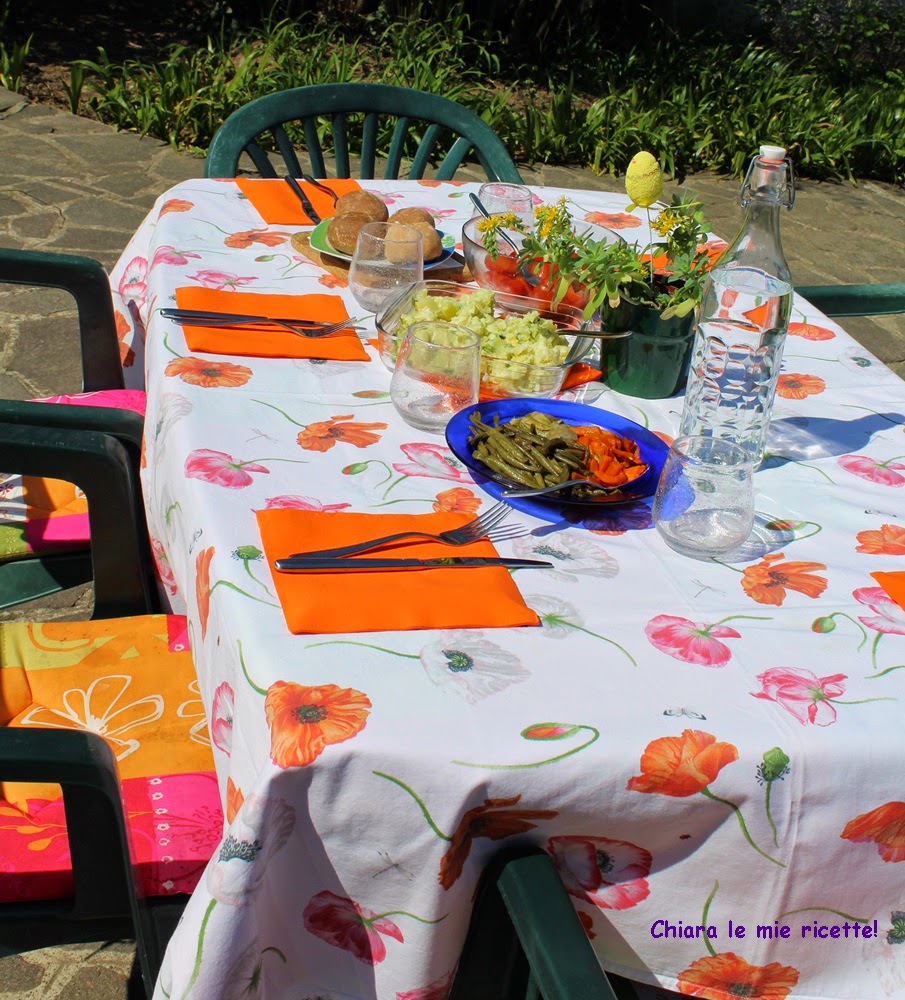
x=500, y=377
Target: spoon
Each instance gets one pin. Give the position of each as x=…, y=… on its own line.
x=521, y=270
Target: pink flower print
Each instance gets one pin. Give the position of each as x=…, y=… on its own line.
x=222, y=718
x=611, y=874
x=220, y=279
x=431, y=460
x=802, y=693
x=170, y=255
x=442, y=213
x=162, y=563
x=302, y=503
x=133, y=285
x=890, y=618
x=220, y=469
x=692, y=643
x=882, y=473
x=341, y=922
x=437, y=990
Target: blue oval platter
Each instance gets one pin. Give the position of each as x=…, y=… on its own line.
x=653, y=452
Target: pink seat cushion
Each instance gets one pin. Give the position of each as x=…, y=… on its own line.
x=175, y=820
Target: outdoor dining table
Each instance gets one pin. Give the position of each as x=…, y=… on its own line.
x=710, y=750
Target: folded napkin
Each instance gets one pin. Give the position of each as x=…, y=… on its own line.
x=278, y=205
x=386, y=600
x=269, y=340
x=893, y=584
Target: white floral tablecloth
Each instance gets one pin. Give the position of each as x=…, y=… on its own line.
x=695, y=743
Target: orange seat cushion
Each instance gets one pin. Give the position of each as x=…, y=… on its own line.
x=132, y=681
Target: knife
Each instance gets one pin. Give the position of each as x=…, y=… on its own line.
x=451, y=562
x=201, y=317
x=303, y=198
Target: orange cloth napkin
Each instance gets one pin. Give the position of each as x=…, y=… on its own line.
x=893, y=584
x=580, y=373
x=269, y=340
x=386, y=600
x=278, y=205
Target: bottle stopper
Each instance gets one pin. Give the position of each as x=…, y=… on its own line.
x=775, y=154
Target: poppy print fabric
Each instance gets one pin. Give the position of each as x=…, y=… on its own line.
x=692, y=742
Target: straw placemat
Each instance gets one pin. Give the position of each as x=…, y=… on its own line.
x=340, y=268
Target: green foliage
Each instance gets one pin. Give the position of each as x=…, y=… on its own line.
x=696, y=102
x=12, y=64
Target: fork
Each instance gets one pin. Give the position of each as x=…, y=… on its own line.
x=224, y=319
x=486, y=526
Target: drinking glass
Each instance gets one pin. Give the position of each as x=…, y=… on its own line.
x=499, y=199
x=437, y=373
x=388, y=255
x=704, y=504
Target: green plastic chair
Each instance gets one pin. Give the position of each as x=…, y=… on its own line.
x=856, y=300
x=525, y=941
x=99, y=451
x=35, y=576
x=107, y=903
x=420, y=116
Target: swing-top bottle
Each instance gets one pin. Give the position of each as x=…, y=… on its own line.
x=743, y=317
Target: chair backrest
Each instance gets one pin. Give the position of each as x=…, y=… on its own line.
x=86, y=281
x=421, y=118
x=856, y=300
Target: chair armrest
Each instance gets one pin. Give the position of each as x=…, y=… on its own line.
x=100, y=466
x=87, y=282
x=84, y=765
x=856, y=300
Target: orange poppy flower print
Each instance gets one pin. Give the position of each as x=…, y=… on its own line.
x=492, y=820
x=613, y=220
x=331, y=281
x=208, y=374
x=681, y=765
x=126, y=354
x=768, y=581
x=245, y=239
x=889, y=540
x=793, y=386
x=718, y=977
x=203, y=586
x=883, y=826
x=304, y=720
x=234, y=800
x=810, y=331
x=324, y=434
x=175, y=205
x=457, y=500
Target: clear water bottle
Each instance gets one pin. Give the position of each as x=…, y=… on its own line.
x=743, y=317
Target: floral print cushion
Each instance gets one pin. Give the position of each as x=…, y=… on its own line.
x=133, y=681
x=39, y=515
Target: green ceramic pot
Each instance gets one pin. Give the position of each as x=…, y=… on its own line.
x=651, y=361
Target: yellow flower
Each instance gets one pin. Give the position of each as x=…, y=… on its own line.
x=643, y=180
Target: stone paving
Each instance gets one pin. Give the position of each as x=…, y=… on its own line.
x=72, y=185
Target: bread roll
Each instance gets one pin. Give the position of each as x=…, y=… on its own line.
x=432, y=245
x=399, y=245
x=412, y=216
x=363, y=203
x=343, y=230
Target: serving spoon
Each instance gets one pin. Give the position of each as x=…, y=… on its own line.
x=522, y=271
x=557, y=487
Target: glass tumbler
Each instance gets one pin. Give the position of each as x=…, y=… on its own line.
x=388, y=255
x=437, y=373
x=704, y=505
x=499, y=199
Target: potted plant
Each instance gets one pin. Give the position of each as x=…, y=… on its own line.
x=647, y=293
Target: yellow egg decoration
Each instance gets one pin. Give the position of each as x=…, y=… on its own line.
x=643, y=180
